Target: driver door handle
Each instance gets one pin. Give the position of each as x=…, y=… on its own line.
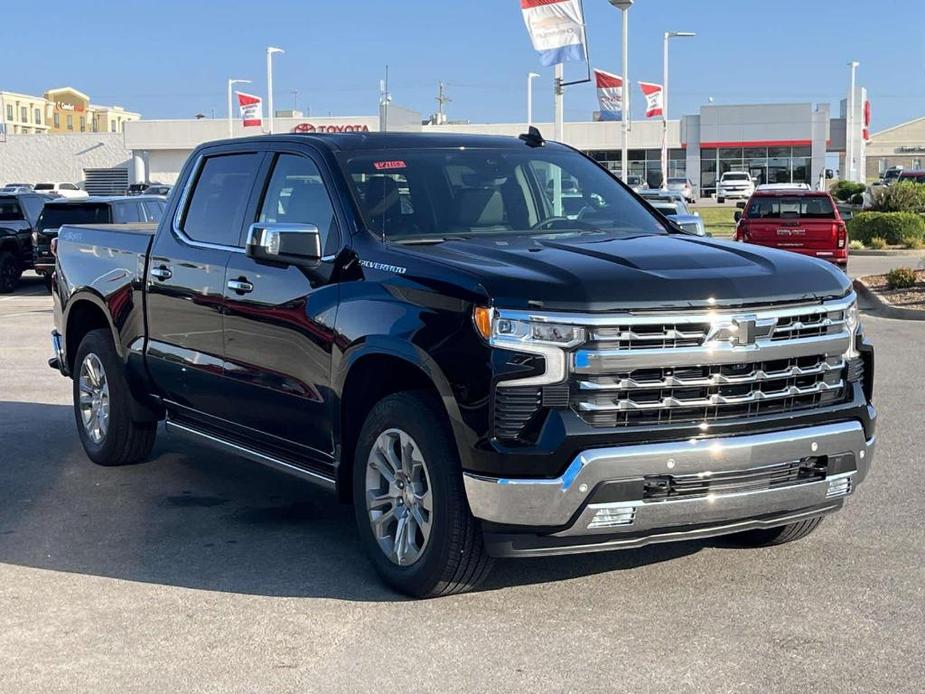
x=241, y=286
x=162, y=273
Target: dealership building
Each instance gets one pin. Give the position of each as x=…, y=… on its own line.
x=775, y=143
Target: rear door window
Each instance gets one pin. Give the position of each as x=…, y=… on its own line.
x=126, y=213
x=805, y=207
x=215, y=213
x=154, y=209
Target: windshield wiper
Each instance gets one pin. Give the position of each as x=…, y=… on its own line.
x=429, y=240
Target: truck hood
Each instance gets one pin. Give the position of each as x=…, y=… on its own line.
x=647, y=271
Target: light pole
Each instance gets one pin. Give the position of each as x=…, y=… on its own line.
x=624, y=6
x=530, y=77
x=270, y=51
x=668, y=35
x=850, y=125
x=231, y=84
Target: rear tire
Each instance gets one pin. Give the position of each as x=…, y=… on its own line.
x=443, y=552
x=103, y=405
x=9, y=272
x=720, y=200
x=776, y=536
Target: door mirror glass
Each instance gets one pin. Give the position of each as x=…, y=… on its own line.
x=292, y=244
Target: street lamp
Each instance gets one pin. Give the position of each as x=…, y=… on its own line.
x=668, y=35
x=624, y=6
x=270, y=51
x=231, y=84
x=850, y=125
x=530, y=77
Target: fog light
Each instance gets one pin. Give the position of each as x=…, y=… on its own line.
x=838, y=486
x=611, y=515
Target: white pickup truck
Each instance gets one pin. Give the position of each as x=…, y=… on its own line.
x=735, y=184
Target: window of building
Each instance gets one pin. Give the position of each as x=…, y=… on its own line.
x=112, y=125
x=70, y=122
x=24, y=114
x=9, y=112
x=83, y=124
x=216, y=210
x=56, y=119
x=916, y=164
x=38, y=116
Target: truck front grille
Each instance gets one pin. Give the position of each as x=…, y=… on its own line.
x=683, y=368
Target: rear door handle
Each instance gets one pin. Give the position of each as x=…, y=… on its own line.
x=241, y=286
x=162, y=273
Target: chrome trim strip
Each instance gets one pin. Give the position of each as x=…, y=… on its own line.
x=253, y=455
x=553, y=502
x=670, y=402
x=181, y=210
x=604, y=361
x=677, y=317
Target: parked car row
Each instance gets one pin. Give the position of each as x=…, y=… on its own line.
x=30, y=220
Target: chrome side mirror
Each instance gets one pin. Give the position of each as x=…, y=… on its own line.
x=293, y=244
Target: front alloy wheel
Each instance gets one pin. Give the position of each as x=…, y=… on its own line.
x=398, y=497
x=94, y=398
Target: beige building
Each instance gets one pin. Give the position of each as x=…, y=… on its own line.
x=23, y=114
x=61, y=110
x=902, y=145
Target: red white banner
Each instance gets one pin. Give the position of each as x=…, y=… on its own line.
x=609, y=95
x=653, y=94
x=251, y=109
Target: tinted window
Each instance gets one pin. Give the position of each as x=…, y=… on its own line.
x=736, y=177
x=154, y=210
x=216, y=210
x=297, y=195
x=44, y=186
x=810, y=207
x=126, y=213
x=68, y=186
x=438, y=192
x=53, y=216
x=9, y=210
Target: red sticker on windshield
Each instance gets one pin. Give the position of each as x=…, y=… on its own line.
x=385, y=165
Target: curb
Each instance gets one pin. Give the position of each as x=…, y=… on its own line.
x=915, y=252
x=885, y=309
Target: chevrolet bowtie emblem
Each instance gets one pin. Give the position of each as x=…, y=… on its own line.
x=741, y=331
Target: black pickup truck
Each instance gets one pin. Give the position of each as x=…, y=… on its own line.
x=18, y=215
x=417, y=323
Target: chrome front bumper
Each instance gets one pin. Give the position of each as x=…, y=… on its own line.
x=566, y=503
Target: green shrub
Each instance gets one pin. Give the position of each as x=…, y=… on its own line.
x=877, y=243
x=913, y=242
x=856, y=245
x=900, y=278
x=845, y=190
x=892, y=227
x=902, y=196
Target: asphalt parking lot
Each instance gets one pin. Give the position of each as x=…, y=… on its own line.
x=200, y=572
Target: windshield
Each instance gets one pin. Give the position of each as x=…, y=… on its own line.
x=807, y=207
x=53, y=216
x=431, y=194
x=736, y=177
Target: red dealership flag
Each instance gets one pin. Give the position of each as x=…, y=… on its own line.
x=251, y=109
x=609, y=95
x=653, y=94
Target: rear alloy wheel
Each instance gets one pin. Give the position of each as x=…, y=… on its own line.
x=9, y=272
x=103, y=405
x=411, y=508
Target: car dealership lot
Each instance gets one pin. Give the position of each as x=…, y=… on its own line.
x=196, y=571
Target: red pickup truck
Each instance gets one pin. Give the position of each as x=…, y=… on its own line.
x=803, y=221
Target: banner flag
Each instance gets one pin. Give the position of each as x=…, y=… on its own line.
x=653, y=94
x=609, y=95
x=556, y=28
x=251, y=109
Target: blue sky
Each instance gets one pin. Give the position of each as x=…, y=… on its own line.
x=171, y=58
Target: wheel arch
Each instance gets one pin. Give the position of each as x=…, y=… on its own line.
x=86, y=311
x=372, y=371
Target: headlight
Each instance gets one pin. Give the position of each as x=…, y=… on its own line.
x=852, y=323
x=531, y=334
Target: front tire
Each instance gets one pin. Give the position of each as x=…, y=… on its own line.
x=720, y=200
x=776, y=536
x=102, y=405
x=411, y=508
